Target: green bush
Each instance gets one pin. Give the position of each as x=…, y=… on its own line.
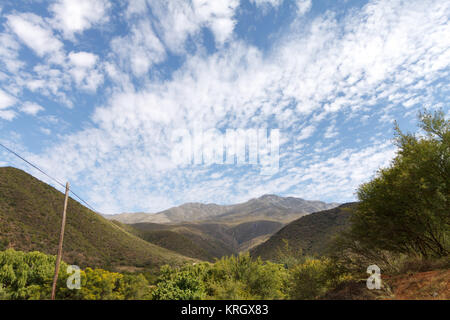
x=241, y=277
x=313, y=278
x=3, y=294
x=26, y=275
x=180, y=283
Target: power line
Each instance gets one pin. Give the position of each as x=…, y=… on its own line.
x=49, y=176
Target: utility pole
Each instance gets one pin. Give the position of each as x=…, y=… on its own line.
x=60, y=247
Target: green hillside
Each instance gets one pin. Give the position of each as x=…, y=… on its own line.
x=30, y=219
x=205, y=241
x=310, y=234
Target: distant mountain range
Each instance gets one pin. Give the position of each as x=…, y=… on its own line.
x=210, y=231
x=266, y=207
x=310, y=234
x=30, y=217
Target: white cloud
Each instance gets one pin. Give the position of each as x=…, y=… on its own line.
x=179, y=19
x=306, y=132
x=45, y=131
x=273, y=3
x=331, y=132
x=140, y=49
x=33, y=31
x=84, y=70
x=331, y=67
x=31, y=108
x=75, y=16
x=50, y=81
x=303, y=6
x=9, y=52
x=338, y=177
x=7, y=115
x=6, y=100
x=83, y=59
x=55, y=74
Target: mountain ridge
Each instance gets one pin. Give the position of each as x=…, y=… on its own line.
x=309, y=235
x=266, y=207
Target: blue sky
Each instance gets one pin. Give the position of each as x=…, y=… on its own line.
x=93, y=90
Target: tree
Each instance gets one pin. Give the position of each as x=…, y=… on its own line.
x=405, y=208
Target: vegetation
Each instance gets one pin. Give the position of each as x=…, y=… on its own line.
x=30, y=276
x=314, y=277
x=401, y=224
x=241, y=277
x=205, y=241
x=404, y=212
x=406, y=208
x=181, y=242
x=309, y=235
x=30, y=219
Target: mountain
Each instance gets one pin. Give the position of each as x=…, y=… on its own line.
x=187, y=212
x=267, y=207
x=273, y=207
x=310, y=234
x=30, y=219
x=207, y=240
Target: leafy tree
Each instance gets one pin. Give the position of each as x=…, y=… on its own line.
x=405, y=208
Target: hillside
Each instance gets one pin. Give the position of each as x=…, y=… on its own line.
x=206, y=241
x=267, y=207
x=311, y=234
x=30, y=219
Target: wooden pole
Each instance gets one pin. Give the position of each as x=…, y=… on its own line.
x=60, y=247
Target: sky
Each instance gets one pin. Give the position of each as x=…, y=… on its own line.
x=95, y=91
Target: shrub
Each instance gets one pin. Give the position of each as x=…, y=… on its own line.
x=180, y=283
x=235, y=277
x=313, y=278
x=241, y=277
x=30, y=276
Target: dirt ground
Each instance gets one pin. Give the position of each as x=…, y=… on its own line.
x=430, y=285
